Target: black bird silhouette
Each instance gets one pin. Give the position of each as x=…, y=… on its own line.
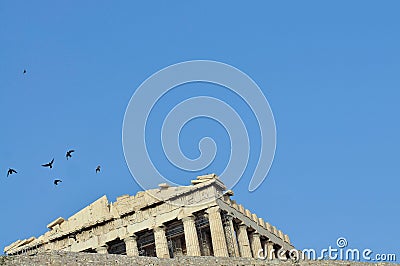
x=57, y=181
x=50, y=164
x=11, y=171
x=24, y=71
x=98, y=169
x=68, y=155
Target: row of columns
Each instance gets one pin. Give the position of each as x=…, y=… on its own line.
x=243, y=246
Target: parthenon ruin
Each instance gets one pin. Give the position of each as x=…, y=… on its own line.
x=196, y=220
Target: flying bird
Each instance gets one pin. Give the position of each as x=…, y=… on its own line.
x=50, y=164
x=57, y=181
x=24, y=71
x=68, y=155
x=98, y=169
x=11, y=171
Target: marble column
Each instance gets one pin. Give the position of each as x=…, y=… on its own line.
x=217, y=232
x=269, y=249
x=255, y=244
x=191, y=238
x=131, y=246
x=244, y=244
x=161, y=242
x=234, y=239
x=102, y=249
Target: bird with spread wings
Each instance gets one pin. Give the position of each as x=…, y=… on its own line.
x=50, y=164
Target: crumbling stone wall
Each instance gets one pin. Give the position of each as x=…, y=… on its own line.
x=83, y=259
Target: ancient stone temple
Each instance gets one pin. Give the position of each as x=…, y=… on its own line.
x=196, y=220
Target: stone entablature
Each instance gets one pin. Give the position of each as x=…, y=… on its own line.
x=195, y=220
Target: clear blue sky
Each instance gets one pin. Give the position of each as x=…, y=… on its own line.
x=330, y=70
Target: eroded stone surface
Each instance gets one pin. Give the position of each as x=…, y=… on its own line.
x=84, y=259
